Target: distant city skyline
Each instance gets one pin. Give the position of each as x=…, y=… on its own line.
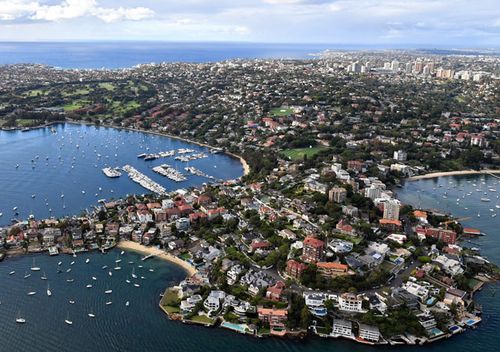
x=385, y=23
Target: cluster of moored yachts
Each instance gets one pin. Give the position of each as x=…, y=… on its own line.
x=132, y=280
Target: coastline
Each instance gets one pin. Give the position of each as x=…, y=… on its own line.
x=136, y=247
x=453, y=173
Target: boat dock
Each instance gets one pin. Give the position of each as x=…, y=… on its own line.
x=169, y=172
x=143, y=180
x=111, y=172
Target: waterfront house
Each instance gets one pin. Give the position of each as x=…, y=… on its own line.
x=369, y=333
x=342, y=328
x=350, y=302
x=275, y=318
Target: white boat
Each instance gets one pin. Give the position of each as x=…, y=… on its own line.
x=12, y=272
x=67, y=321
x=31, y=293
x=110, y=273
x=108, y=292
x=137, y=285
x=89, y=286
x=94, y=278
x=71, y=302
x=151, y=270
x=122, y=252
x=19, y=319
x=91, y=315
x=70, y=280
x=49, y=292
x=108, y=303
x=68, y=270
x=44, y=276
x=117, y=267
x=133, y=274
x=72, y=263
x=104, y=267
x=26, y=275
x=60, y=263
x=34, y=267
x=127, y=280
x=127, y=304
x=87, y=261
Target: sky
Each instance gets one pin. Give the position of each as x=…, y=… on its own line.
x=436, y=23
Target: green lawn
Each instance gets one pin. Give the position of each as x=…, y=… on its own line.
x=107, y=85
x=35, y=92
x=172, y=310
x=202, y=319
x=282, y=111
x=298, y=153
x=74, y=105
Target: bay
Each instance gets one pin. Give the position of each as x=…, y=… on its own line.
x=70, y=161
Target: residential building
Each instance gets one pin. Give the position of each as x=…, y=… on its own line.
x=314, y=250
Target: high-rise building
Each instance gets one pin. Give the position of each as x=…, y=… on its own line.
x=337, y=194
x=395, y=65
x=387, y=65
x=391, y=209
x=408, y=67
x=314, y=250
x=419, y=66
x=400, y=155
x=426, y=71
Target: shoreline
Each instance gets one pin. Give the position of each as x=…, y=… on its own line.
x=453, y=173
x=158, y=253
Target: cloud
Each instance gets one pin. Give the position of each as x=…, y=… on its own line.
x=123, y=14
x=70, y=9
x=10, y=10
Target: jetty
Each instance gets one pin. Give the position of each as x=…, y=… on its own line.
x=143, y=180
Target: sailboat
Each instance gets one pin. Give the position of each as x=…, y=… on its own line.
x=133, y=273
x=110, y=273
x=34, y=267
x=44, y=276
x=127, y=304
x=19, y=319
x=91, y=315
x=87, y=261
x=108, y=291
x=94, y=278
x=12, y=272
x=31, y=293
x=127, y=280
x=67, y=321
x=49, y=292
x=89, y=286
x=26, y=275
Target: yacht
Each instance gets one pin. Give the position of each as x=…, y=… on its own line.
x=72, y=263
x=70, y=280
x=26, y=275
x=87, y=261
x=110, y=273
x=67, y=321
x=127, y=304
x=34, y=267
x=137, y=285
x=43, y=277
x=12, y=272
x=71, y=302
x=109, y=303
x=89, y=286
x=49, y=292
x=108, y=292
x=19, y=319
x=127, y=280
x=31, y=293
x=91, y=315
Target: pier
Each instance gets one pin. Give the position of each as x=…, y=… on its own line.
x=144, y=181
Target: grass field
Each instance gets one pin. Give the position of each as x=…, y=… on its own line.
x=298, y=153
x=282, y=111
x=202, y=319
x=107, y=85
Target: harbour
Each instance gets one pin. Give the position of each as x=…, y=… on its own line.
x=59, y=170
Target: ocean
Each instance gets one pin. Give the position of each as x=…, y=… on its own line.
x=112, y=55
x=56, y=168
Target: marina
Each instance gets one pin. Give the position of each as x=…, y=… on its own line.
x=64, y=169
x=143, y=180
x=169, y=172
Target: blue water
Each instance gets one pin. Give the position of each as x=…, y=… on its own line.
x=74, y=165
x=143, y=327
x=127, y=54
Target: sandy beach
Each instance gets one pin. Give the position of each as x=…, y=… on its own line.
x=133, y=246
x=453, y=173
